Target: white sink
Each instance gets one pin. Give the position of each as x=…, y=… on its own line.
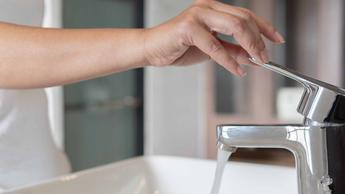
x=170, y=175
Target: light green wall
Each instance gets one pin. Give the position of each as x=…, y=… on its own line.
x=97, y=134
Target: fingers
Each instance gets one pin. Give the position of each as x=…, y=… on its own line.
x=208, y=17
x=265, y=28
x=246, y=34
x=210, y=45
x=237, y=53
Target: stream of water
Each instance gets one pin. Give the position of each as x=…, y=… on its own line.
x=222, y=158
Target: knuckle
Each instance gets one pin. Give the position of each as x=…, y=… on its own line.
x=246, y=16
x=230, y=25
x=203, y=3
x=247, y=11
x=239, y=25
x=214, y=46
x=240, y=53
x=194, y=10
x=185, y=27
x=271, y=29
x=231, y=65
x=255, y=46
x=231, y=62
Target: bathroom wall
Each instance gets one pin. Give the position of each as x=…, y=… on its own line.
x=174, y=97
x=102, y=119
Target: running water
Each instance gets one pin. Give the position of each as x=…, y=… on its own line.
x=222, y=159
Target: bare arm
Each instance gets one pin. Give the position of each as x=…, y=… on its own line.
x=36, y=57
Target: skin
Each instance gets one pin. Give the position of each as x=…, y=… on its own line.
x=36, y=57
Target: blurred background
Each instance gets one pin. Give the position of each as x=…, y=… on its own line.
x=175, y=110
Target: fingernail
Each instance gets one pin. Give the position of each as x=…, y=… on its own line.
x=241, y=72
x=279, y=37
x=264, y=56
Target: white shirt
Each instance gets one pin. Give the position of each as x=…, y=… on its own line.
x=27, y=151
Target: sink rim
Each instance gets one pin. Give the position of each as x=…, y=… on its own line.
x=146, y=159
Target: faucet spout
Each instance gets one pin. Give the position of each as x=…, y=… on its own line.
x=255, y=136
x=307, y=143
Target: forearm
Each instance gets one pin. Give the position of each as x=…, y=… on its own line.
x=36, y=57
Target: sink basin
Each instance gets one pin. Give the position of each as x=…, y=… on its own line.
x=170, y=175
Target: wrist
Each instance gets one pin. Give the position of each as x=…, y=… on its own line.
x=144, y=36
x=127, y=49
x=148, y=39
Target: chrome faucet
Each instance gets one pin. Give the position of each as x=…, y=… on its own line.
x=318, y=144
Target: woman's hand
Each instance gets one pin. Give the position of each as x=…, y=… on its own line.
x=72, y=55
x=191, y=37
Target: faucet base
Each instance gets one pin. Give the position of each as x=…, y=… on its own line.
x=336, y=158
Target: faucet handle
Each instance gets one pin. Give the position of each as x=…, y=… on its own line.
x=320, y=102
